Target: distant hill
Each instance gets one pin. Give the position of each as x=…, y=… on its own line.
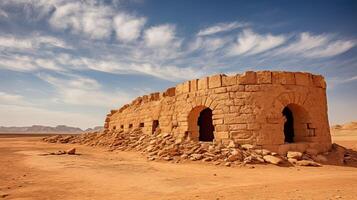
x=97, y=128
x=46, y=129
x=347, y=126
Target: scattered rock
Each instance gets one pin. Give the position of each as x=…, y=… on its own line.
x=292, y=160
x=294, y=154
x=262, y=152
x=3, y=195
x=167, y=147
x=273, y=153
x=236, y=156
x=207, y=159
x=247, y=146
x=196, y=156
x=307, y=163
x=272, y=159
x=71, y=151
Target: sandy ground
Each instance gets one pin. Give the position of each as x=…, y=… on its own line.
x=96, y=174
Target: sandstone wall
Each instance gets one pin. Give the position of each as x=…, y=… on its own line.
x=247, y=108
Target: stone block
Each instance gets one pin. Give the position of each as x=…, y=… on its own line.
x=247, y=78
x=186, y=87
x=221, y=128
x=203, y=83
x=215, y=81
x=221, y=135
x=235, y=127
x=253, y=126
x=284, y=78
x=220, y=90
x=194, y=85
x=170, y=92
x=319, y=81
x=179, y=89
x=303, y=79
x=241, y=134
x=229, y=80
x=264, y=77
x=252, y=88
x=217, y=121
x=235, y=88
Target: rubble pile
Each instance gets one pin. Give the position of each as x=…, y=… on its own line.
x=164, y=146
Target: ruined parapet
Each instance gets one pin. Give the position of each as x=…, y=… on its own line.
x=276, y=110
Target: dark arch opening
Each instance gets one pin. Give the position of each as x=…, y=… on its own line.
x=205, y=125
x=155, y=125
x=288, y=125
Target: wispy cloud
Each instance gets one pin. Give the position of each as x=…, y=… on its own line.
x=128, y=27
x=250, y=43
x=12, y=99
x=3, y=14
x=93, y=21
x=317, y=46
x=78, y=90
x=160, y=36
x=220, y=27
x=33, y=41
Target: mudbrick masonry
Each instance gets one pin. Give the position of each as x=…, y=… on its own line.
x=274, y=110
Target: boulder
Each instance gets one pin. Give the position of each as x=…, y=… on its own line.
x=272, y=159
x=294, y=154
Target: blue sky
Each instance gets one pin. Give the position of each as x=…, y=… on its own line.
x=70, y=62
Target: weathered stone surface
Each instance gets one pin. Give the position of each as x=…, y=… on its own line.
x=215, y=81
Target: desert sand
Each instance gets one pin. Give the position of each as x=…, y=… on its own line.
x=27, y=173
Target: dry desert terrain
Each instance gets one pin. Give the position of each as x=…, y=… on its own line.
x=27, y=173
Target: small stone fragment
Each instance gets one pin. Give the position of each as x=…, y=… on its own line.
x=71, y=151
x=307, y=163
x=272, y=159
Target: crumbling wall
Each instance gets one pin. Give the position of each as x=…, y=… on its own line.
x=247, y=108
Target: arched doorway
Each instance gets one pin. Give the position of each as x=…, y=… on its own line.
x=205, y=125
x=155, y=125
x=297, y=124
x=288, y=125
x=200, y=124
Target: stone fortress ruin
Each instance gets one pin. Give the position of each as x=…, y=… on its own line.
x=274, y=110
